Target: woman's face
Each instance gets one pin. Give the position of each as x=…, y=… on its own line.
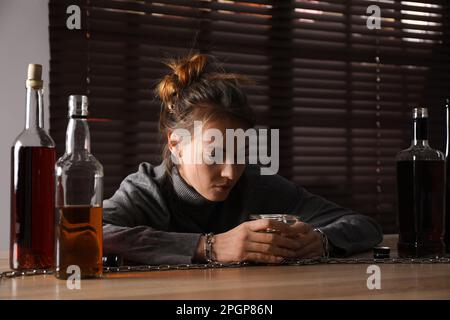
x=213, y=181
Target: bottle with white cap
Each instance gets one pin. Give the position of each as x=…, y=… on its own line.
x=32, y=188
x=79, y=196
x=421, y=194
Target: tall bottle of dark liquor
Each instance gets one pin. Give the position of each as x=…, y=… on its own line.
x=447, y=160
x=32, y=189
x=79, y=195
x=421, y=194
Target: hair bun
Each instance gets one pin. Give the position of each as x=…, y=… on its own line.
x=188, y=69
x=166, y=90
x=185, y=71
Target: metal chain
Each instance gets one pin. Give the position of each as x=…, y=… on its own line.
x=215, y=265
x=25, y=273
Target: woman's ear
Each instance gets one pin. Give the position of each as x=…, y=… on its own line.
x=173, y=142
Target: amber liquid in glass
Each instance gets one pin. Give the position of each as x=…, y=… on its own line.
x=79, y=241
x=32, y=203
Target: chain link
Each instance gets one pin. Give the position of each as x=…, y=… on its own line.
x=298, y=262
x=25, y=273
x=215, y=265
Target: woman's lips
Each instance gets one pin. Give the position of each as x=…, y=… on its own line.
x=223, y=187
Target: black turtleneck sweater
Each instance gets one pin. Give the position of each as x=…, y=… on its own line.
x=154, y=219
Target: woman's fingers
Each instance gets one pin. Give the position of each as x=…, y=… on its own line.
x=267, y=224
x=250, y=241
x=297, y=240
x=307, y=238
x=275, y=239
x=270, y=249
x=310, y=249
x=264, y=258
x=299, y=228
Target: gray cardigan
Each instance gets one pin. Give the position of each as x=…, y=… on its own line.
x=154, y=218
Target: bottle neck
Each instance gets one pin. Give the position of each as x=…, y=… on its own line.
x=420, y=132
x=35, y=109
x=78, y=137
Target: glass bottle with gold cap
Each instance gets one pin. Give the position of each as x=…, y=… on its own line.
x=79, y=195
x=32, y=188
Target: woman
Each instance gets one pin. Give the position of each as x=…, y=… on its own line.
x=183, y=212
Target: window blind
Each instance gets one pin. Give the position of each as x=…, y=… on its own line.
x=340, y=93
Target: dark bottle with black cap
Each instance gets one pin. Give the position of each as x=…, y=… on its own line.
x=79, y=196
x=447, y=159
x=421, y=194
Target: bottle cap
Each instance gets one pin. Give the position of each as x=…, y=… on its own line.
x=112, y=260
x=78, y=106
x=381, y=252
x=420, y=113
x=34, y=76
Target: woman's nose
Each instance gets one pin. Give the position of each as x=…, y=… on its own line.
x=229, y=171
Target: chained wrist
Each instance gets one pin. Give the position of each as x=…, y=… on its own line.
x=208, y=247
x=325, y=243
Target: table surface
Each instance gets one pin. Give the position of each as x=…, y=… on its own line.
x=323, y=281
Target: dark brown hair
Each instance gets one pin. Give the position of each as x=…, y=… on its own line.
x=198, y=88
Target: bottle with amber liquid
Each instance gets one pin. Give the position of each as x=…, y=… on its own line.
x=447, y=161
x=421, y=194
x=79, y=195
x=32, y=232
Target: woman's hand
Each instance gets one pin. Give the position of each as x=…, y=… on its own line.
x=311, y=244
x=250, y=242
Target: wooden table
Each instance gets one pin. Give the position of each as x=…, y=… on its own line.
x=398, y=281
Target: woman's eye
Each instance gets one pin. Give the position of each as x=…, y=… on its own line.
x=210, y=154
